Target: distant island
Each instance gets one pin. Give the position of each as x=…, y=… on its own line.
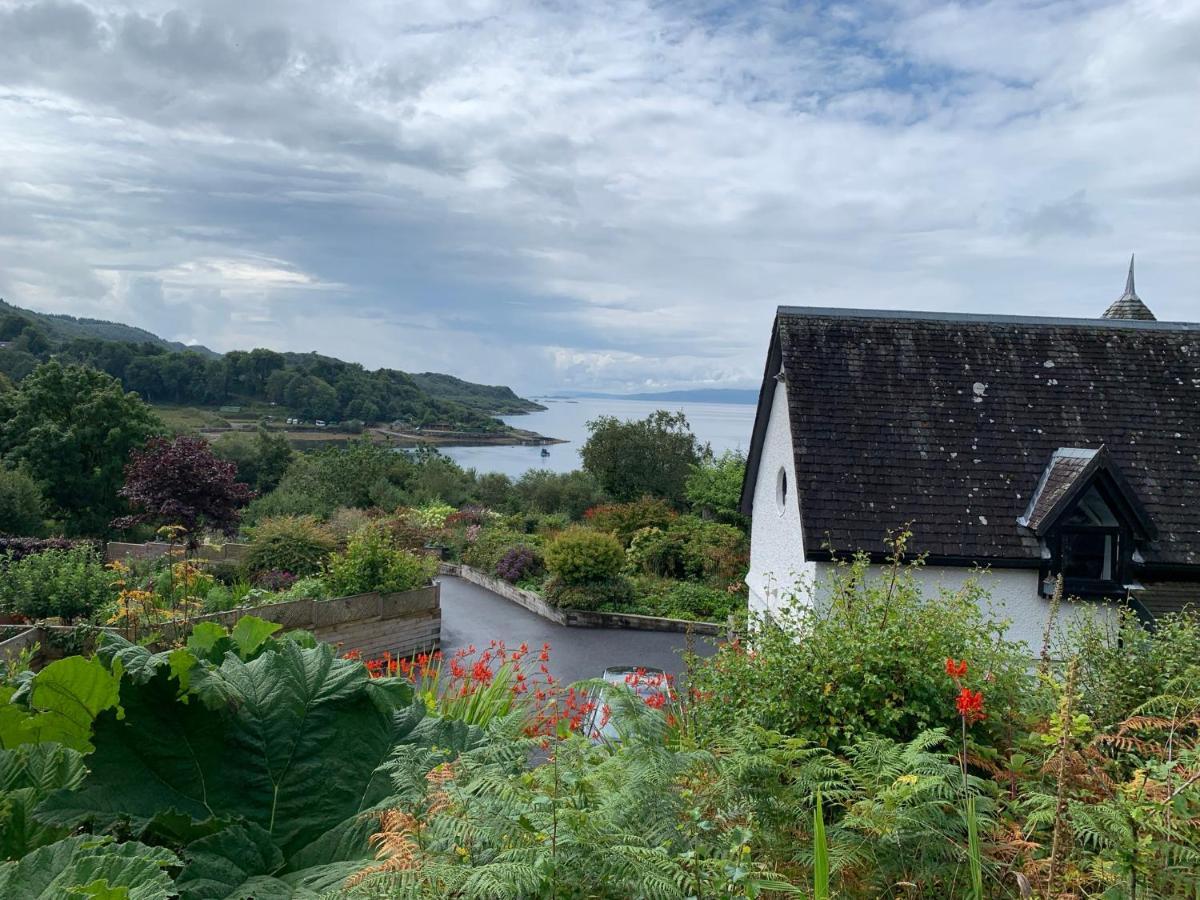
x=309, y=396
x=698, y=395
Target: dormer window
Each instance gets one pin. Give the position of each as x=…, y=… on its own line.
x=1089, y=548
x=1088, y=520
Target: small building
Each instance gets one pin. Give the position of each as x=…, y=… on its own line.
x=1031, y=446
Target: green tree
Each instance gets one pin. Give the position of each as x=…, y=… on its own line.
x=714, y=488
x=21, y=503
x=262, y=459
x=653, y=456
x=73, y=428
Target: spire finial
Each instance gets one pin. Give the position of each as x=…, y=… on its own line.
x=1129, y=305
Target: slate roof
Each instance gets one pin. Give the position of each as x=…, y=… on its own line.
x=1163, y=597
x=949, y=421
x=1068, y=467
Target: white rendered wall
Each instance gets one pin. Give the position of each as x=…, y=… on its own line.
x=1013, y=595
x=778, y=569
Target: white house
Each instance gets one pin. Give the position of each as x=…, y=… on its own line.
x=1026, y=445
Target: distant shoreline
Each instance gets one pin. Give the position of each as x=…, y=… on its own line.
x=739, y=397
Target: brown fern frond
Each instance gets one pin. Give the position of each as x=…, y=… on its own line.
x=395, y=844
x=437, y=778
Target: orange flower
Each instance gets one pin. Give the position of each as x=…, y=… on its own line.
x=956, y=669
x=970, y=705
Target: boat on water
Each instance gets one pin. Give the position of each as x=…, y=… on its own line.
x=545, y=452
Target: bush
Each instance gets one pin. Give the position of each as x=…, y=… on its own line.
x=491, y=544
x=686, y=600
x=609, y=595
x=867, y=659
x=1123, y=666
x=346, y=520
x=690, y=548
x=15, y=548
x=520, y=563
x=308, y=589
x=432, y=515
x=21, y=504
x=625, y=519
x=296, y=544
x=570, y=493
x=584, y=556
x=274, y=580
x=371, y=562
x=67, y=583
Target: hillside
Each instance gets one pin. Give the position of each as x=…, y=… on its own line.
x=304, y=385
x=59, y=328
x=499, y=399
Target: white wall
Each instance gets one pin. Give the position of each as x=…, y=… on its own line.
x=778, y=569
x=1013, y=595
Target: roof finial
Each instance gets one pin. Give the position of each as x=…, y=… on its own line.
x=1129, y=305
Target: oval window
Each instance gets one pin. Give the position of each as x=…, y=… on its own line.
x=781, y=489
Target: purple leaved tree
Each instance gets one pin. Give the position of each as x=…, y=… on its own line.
x=182, y=482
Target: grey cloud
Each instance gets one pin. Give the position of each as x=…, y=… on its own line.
x=1073, y=216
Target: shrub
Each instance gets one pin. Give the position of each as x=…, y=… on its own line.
x=371, y=562
x=308, y=589
x=490, y=546
x=346, y=520
x=584, y=556
x=614, y=594
x=15, y=548
x=519, y=563
x=690, y=548
x=432, y=515
x=67, y=583
x=626, y=519
x=686, y=600
x=274, y=580
x=296, y=544
x=21, y=503
x=1124, y=665
x=867, y=659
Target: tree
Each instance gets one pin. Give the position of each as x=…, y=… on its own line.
x=651, y=456
x=714, y=488
x=261, y=460
x=73, y=428
x=21, y=503
x=182, y=482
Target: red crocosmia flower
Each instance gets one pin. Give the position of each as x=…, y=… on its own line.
x=956, y=669
x=970, y=705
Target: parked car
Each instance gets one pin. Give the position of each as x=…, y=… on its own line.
x=651, y=684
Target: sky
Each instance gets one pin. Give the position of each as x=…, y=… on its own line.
x=610, y=194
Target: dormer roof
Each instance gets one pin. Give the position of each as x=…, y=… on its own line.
x=1071, y=472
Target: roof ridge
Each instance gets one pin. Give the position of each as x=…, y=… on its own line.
x=981, y=318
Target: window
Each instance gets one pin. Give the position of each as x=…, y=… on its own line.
x=781, y=490
x=1088, y=548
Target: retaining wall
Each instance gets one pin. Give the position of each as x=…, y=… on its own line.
x=115, y=550
x=402, y=624
x=578, y=618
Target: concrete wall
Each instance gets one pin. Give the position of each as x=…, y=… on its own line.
x=401, y=624
x=115, y=550
x=778, y=569
x=578, y=618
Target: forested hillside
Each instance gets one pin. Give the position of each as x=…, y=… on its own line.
x=306, y=385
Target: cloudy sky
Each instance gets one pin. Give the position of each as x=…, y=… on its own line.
x=604, y=194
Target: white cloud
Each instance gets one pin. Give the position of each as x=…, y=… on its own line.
x=616, y=191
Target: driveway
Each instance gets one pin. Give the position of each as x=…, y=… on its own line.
x=473, y=615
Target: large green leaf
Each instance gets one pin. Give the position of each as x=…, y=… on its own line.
x=89, y=866
x=28, y=774
x=288, y=741
x=63, y=699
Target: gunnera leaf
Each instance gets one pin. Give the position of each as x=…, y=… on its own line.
x=84, y=866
